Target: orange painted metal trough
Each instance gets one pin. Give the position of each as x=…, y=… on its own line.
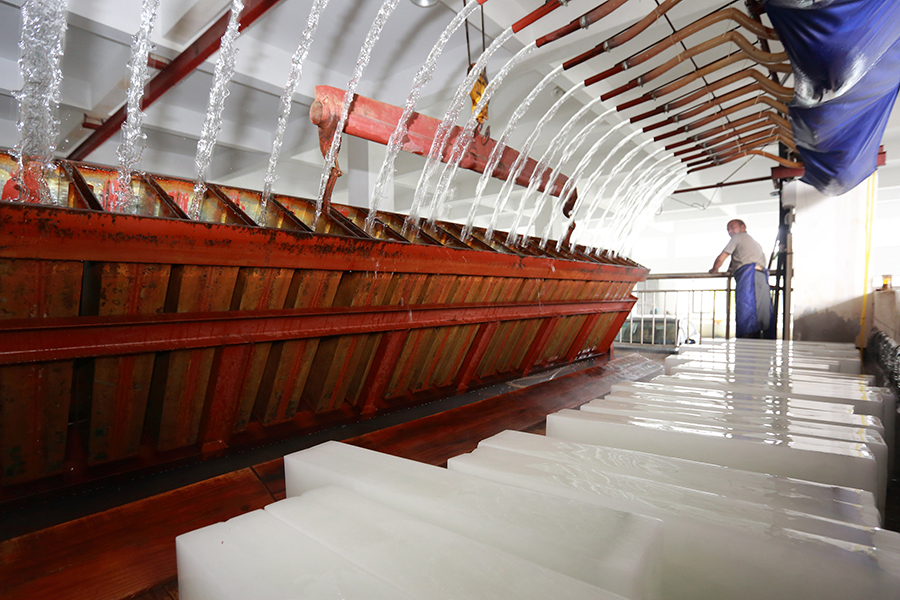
x=133, y=341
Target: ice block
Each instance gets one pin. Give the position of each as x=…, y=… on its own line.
x=707, y=556
x=255, y=556
x=779, y=429
x=845, y=362
x=615, y=550
x=833, y=502
x=762, y=410
x=420, y=559
x=826, y=461
x=758, y=371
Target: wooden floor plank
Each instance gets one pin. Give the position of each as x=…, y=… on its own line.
x=125, y=551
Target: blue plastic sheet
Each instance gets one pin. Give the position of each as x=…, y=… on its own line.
x=846, y=61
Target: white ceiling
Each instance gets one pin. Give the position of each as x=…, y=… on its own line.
x=95, y=79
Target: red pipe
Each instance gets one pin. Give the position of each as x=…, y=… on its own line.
x=536, y=14
x=182, y=66
x=582, y=22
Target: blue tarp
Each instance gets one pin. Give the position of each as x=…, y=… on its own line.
x=846, y=61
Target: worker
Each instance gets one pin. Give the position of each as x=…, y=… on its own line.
x=753, y=304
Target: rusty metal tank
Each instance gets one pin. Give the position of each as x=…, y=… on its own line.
x=130, y=341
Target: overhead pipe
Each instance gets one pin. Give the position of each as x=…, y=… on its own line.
x=780, y=92
x=740, y=41
x=717, y=144
x=537, y=14
x=684, y=80
x=730, y=144
x=750, y=142
x=704, y=106
x=727, y=14
x=782, y=161
x=623, y=36
x=738, y=131
x=774, y=117
x=582, y=22
x=180, y=67
x=724, y=113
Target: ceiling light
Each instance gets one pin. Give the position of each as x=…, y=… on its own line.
x=424, y=3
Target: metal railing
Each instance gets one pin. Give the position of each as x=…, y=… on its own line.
x=681, y=308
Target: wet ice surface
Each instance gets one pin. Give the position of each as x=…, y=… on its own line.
x=826, y=461
x=778, y=430
x=616, y=550
x=708, y=554
x=702, y=485
x=833, y=502
x=838, y=362
x=256, y=556
x=420, y=559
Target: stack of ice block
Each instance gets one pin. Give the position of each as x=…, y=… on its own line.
x=425, y=531
x=728, y=533
x=754, y=472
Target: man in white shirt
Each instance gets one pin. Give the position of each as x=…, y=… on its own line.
x=753, y=304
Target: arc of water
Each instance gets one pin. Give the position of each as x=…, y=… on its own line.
x=638, y=224
x=213, y=123
x=423, y=76
x=567, y=189
x=651, y=210
x=131, y=149
x=612, y=173
x=365, y=53
x=290, y=88
x=639, y=193
x=468, y=132
x=570, y=149
x=449, y=120
x=580, y=201
x=620, y=219
x=558, y=141
x=43, y=32
x=546, y=233
x=500, y=146
x=520, y=161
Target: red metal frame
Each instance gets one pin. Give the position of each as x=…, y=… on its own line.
x=41, y=232
x=37, y=340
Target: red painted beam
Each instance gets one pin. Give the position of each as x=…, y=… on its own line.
x=180, y=67
x=375, y=121
x=46, y=232
x=37, y=340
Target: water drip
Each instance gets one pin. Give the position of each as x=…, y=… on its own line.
x=213, y=123
x=306, y=38
x=423, y=76
x=519, y=164
x=365, y=53
x=443, y=131
x=500, y=146
x=43, y=33
x=560, y=140
x=464, y=139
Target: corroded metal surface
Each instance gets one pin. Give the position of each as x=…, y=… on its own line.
x=128, y=341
